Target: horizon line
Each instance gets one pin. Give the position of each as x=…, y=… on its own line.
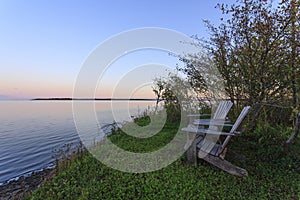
x=94, y=99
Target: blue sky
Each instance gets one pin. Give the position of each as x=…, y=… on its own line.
x=44, y=43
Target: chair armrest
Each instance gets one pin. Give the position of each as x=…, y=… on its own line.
x=199, y=115
x=213, y=122
x=237, y=132
x=206, y=131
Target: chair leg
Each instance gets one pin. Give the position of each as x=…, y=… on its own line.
x=189, y=140
x=191, y=154
x=223, y=153
x=226, y=166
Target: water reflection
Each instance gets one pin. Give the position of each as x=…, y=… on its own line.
x=31, y=130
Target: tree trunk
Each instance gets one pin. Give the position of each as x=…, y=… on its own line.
x=257, y=107
x=296, y=130
x=294, y=74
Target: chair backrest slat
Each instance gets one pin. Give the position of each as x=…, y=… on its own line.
x=235, y=126
x=221, y=113
x=240, y=119
x=222, y=110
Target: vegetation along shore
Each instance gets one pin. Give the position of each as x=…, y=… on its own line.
x=273, y=172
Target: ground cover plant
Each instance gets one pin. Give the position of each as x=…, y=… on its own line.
x=273, y=172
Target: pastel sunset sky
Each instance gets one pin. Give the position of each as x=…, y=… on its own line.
x=44, y=43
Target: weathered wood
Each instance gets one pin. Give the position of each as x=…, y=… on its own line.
x=225, y=165
x=208, y=144
x=206, y=131
x=212, y=122
x=199, y=115
x=236, y=125
x=191, y=154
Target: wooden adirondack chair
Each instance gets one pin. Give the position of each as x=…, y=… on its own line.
x=213, y=152
x=190, y=146
x=220, y=113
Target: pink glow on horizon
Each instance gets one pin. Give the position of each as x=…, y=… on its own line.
x=43, y=90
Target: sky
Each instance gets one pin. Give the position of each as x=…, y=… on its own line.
x=43, y=44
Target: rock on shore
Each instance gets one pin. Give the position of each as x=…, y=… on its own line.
x=17, y=189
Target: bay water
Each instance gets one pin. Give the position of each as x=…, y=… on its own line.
x=32, y=131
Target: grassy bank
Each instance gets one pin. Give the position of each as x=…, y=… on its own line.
x=273, y=172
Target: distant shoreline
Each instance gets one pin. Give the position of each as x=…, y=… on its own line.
x=91, y=99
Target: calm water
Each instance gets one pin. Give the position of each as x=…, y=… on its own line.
x=30, y=131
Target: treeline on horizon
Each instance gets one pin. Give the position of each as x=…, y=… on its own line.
x=94, y=99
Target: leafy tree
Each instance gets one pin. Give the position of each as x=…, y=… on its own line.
x=256, y=50
x=158, y=90
x=291, y=8
x=176, y=94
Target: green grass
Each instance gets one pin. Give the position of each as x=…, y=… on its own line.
x=273, y=172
